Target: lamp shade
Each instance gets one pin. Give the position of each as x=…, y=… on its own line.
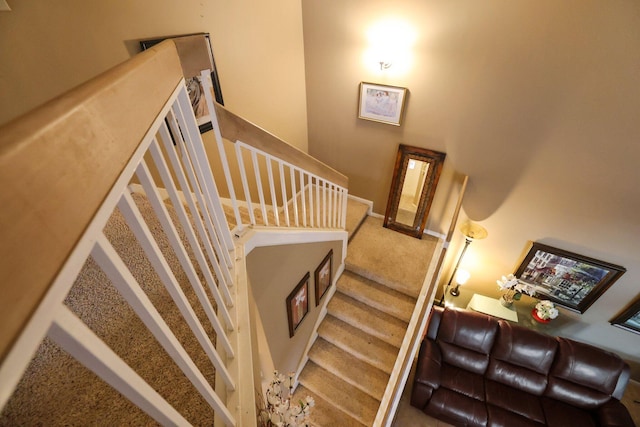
x=473, y=231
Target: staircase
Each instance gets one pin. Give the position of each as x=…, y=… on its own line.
x=358, y=341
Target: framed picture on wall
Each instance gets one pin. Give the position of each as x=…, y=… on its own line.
x=566, y=278
x=629, y=319
x=193, y=50
x=381, y=103
x=323, y=276
x=298, y=304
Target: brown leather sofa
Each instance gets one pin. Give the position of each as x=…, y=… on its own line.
x=475, y=370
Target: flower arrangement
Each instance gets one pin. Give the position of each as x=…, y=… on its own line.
x=546, y=310
x=514, y=289
x=278, y=409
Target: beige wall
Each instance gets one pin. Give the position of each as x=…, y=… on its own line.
x=273, y=273
x=47, y=48
x=538, y=101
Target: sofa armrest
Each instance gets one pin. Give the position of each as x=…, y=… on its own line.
x=427, y=377
x=434, y=322
x=623, y=380
x=614, y=414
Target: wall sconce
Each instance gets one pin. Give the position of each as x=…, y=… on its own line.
x=471, y=232
x=462, y=276
x=390, y=42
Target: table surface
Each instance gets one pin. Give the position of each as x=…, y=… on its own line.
x=492, y=307
x=522, y=309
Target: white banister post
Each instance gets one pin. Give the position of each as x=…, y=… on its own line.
x=208, y=89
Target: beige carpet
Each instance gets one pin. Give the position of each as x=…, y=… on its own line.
x=359, y=339
x=390, y=258
x=56, y=390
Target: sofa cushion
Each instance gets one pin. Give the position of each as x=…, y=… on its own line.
x=456, y=408
x=499, y=417
x=583, y=375
x=462, y=381
x=521, y=358
x=465, y=339
x=513, y=400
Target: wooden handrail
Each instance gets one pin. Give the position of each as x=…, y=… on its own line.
x=59, y=162
x=235, y=128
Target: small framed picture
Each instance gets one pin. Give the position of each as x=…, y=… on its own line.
x=298, y=304
x=566, y=278
x=195, y=49
x=323, y=276
x=629, y=319
x=381, y=103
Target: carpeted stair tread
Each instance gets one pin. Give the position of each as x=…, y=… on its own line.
x=366, y=318
x=376, y=295
x=356, y=372
x=340, y=394
x=360, y=344
x=323, y=413
x=404, y=268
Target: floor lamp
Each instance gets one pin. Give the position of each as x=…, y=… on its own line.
x=471, y=232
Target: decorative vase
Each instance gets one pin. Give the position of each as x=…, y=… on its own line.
x=534, y=314
x=506, y=301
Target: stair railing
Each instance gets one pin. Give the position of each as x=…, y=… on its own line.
x=279, y=185
x=67, y=166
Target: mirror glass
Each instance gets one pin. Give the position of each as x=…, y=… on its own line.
x=411, y=191
x=413, y=186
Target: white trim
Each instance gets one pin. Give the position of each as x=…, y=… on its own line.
x=435, y=234
x=364, y=202
x=426, y=231
x=260, y=237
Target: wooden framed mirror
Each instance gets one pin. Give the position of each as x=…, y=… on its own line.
x=415, y=178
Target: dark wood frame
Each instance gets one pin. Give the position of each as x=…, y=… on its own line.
x=362, y=114
x=435, y=159
x=304, y=283
x=622, y=320
x=321, y=290
x=215, y=80
x=577, y=268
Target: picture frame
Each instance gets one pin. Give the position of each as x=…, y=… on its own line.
x=195, y=49
x=298, y=304
x=382, y=103
x=323, y=276
x=568, y=279
x=629, y=319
